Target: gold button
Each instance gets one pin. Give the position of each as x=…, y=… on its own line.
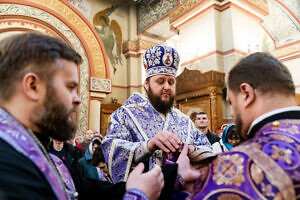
x=276, y=124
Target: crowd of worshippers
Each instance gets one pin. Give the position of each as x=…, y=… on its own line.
x=82, y=154
x=151, y=150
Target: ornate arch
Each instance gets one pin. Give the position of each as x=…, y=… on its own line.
x=59, y=18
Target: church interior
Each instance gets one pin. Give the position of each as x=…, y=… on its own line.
x=112, y=35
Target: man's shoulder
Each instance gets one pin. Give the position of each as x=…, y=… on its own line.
x=179, y=114
x=11, y=157
x=135, y=103
x=213, y=137
x=19, y=177
x=135, y=99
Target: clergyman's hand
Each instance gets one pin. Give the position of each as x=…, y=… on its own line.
x=165, y=141
x=150, y=183
x=185, y=169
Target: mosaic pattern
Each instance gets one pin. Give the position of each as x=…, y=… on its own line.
x=152, y=12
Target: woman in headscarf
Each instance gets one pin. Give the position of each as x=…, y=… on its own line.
x=230, y=139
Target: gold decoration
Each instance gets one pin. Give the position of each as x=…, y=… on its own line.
x=282, y=138
x=228, y=170
x=181, y=10
x=275, y=174
x=275, y=125
x=190, y=4
x=229, y=196
x=137, y=45
x=38, y=10
x=256, y=174
x=283, y=154
x=87, y=33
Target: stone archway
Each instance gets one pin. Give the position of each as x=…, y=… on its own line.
x=59, y=18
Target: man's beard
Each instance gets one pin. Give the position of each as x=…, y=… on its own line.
x=54, y=120
x=238, y=125
x=158, y=104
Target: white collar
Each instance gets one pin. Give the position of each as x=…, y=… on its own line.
x=273, y=112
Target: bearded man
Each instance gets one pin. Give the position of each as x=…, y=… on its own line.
x=261, y=92
x=144, y=127
x=38, y=93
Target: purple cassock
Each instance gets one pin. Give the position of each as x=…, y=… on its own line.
x=265, y=167
x=21, y=139
x=131, y=127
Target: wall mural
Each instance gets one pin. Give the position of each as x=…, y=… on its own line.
x=111, y=35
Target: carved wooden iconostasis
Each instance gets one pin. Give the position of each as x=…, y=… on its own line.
x=60, y=19
x=196, y=91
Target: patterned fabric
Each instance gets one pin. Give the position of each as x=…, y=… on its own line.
x=265, y=167
x=20, y=139
x=132, y=125
x=133, y=194
x=161, y=60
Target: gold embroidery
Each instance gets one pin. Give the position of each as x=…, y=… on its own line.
x=229, y=170
x=276, y=175
x=282, y=138
x=283, y=154
x=257, y=145
x=267, y=190
x=256, y=174
x=286, y=126
x=229, y=196
x=294, y=130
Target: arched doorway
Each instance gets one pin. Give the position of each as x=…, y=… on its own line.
x=60, y=19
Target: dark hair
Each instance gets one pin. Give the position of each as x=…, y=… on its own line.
x=96, y=142
x=97, y=156
x=193, y=116
x=201, y=113
x=232, y=134
x=263, y=72
x=30, y=52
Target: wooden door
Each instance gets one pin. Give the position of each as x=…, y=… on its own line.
x=106, y=111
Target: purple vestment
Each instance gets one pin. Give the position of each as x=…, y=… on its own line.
x=265, y=167
x=131, y=127
x=21, y=140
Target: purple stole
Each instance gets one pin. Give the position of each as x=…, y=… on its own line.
x=15, y=134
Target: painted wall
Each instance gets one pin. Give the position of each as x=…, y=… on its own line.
x=294, y=67
x=198, y=40
x=125, y=75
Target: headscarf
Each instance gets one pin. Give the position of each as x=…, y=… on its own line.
x=224, y=136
